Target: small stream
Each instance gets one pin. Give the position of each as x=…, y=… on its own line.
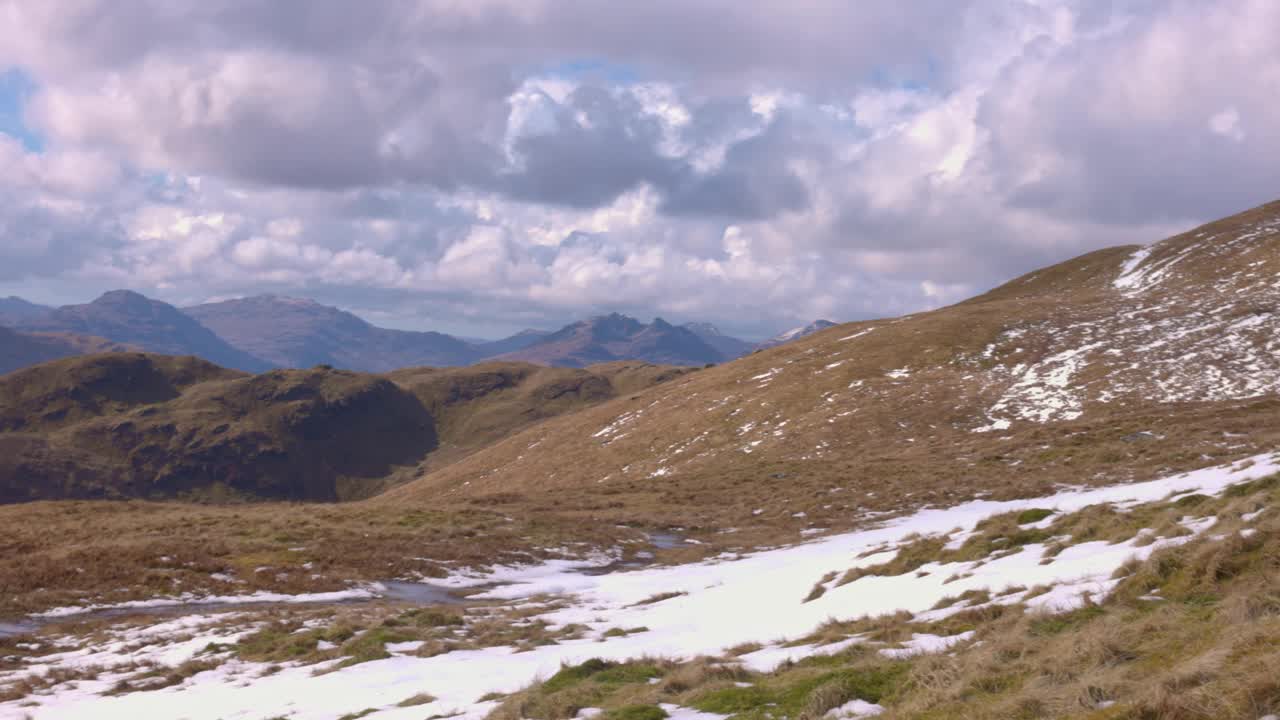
x=16, y=629
x=413, y=593
x=396, y=591
x=657, y=540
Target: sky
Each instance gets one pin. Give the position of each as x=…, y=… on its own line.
x=481, y=166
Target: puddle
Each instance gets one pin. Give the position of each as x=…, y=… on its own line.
x=420, y=593
x=666, y=540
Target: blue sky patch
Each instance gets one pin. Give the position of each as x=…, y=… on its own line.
x=16, y=87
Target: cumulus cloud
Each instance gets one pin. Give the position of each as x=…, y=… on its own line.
x=488, y=164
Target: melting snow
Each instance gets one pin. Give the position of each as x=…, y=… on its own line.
x=854, y=709
x=921, y=643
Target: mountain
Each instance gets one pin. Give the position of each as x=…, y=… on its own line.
x=294, y=332
x=256, y=333
x=127, y=317
x=14, y=310
x=795, y=334
x=608, y=338
x=519, y=341
x=730, y=348
x=133, y=425
x=18, y=349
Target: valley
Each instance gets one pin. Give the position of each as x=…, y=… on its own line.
x=1055, y=499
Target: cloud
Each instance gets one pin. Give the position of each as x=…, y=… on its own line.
x=493, y=163
x=1227, y=124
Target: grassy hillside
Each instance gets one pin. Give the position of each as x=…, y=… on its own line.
x=1118, y=365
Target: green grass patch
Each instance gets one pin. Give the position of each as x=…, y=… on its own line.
x=806, y=689
x=733, y=700
x=1033, y=515
x=371, y=645
x=601, y=671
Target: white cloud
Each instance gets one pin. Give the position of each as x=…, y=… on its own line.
x=1227, y=124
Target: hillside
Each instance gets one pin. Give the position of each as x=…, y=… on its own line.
x=19, y=349
x=130, y=425
x=126, y=317
x=1114, y=366
x=609, y=338
x=294, y=332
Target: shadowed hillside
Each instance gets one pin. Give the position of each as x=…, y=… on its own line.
x=130, y=425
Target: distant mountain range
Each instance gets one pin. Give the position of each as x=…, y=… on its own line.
x=291, y=332
x=617, y=337
x=728, y=347
x=795, y=334
x=15, y=310
x=20, y=349
x=266, y=331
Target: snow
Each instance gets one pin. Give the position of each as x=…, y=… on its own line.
x=854, y=709
x=921, y=643
x=1131, y=277
x=856, y=335
x=675, y=712
x=1001, y=424
x=729, y=601
x=766, y=659
x=1044, y=391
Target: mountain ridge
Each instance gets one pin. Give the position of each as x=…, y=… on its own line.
x=297, y=332
x=128, y=317
x=613, y=337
